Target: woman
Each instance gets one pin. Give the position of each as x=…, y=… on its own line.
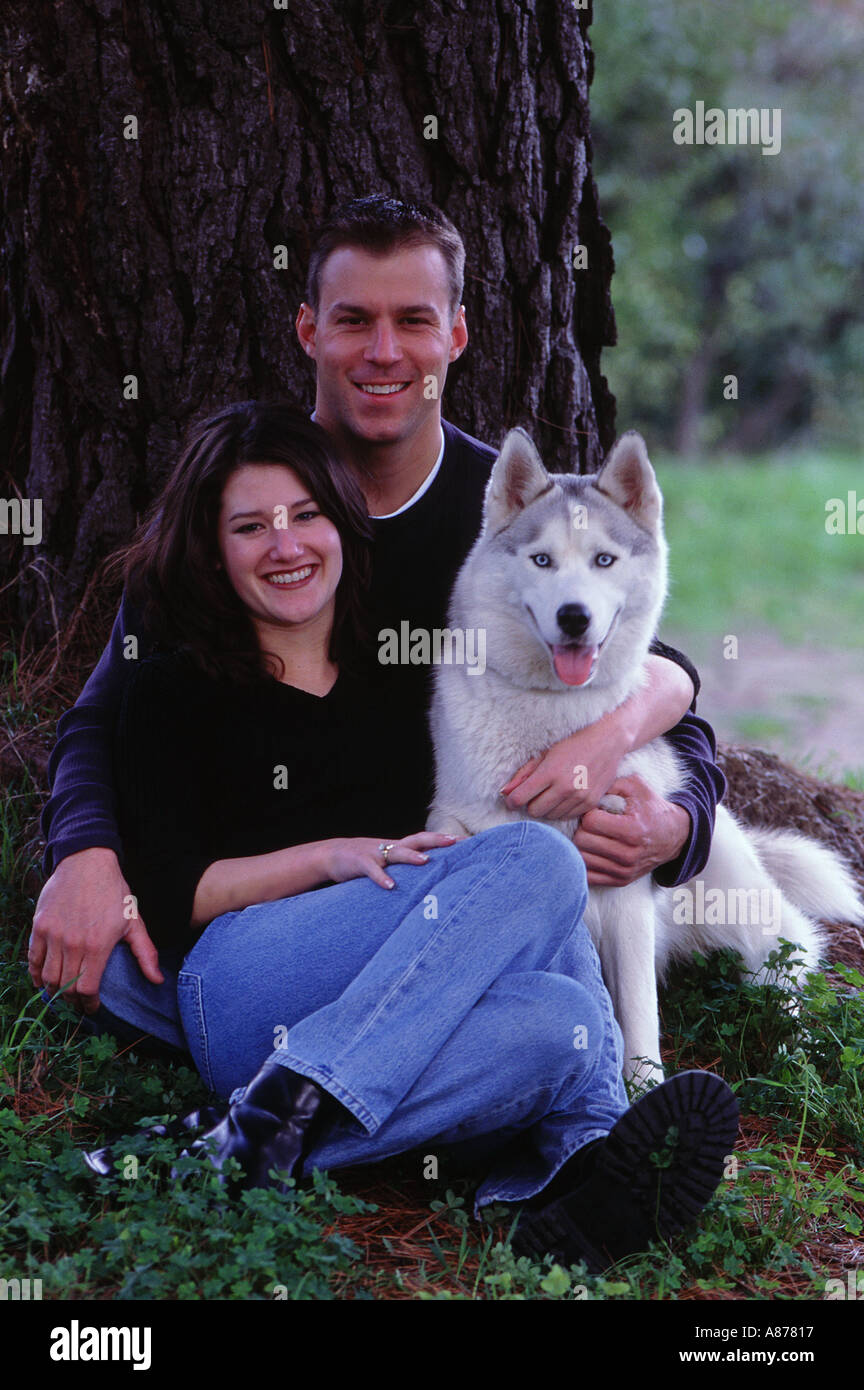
x=382, y=992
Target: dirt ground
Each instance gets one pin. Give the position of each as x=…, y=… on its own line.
x=804, y=703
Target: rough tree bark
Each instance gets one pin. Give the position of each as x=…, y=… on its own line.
x=154, y=256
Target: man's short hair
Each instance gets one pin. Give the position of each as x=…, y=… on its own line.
x=381, y=225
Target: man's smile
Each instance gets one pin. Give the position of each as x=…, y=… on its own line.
x=381, y=388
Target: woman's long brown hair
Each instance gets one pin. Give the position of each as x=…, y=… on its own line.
x=172, y=569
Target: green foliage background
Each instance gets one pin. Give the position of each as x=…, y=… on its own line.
x=729, y=261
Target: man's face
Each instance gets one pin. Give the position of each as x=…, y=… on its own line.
x=382, y=331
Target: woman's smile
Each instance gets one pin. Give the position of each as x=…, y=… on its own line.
x=291, y=579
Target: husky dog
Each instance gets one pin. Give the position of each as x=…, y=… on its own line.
x=568, y=579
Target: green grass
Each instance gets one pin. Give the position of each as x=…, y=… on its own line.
x=148, y=1235
x=749, y=549
x=759, y=728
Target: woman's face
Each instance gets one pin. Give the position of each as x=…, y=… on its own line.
x=282, y=557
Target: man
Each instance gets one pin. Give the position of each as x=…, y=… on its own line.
x=382, y=321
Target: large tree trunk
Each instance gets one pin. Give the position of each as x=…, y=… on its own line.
x=154, y=257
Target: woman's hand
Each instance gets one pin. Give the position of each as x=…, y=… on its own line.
x=361, y=858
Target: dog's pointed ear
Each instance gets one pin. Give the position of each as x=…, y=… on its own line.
x=517, y=479
x=628, y=478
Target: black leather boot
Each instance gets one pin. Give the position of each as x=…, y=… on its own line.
x=271, y=1127
x=101, y=1161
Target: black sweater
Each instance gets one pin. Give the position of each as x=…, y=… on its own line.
x=208, y=771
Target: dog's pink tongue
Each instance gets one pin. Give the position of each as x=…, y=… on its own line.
x=573, y=664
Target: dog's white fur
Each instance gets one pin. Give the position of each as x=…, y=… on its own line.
x=485, y=726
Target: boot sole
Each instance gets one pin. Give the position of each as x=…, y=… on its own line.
x=662, y=1161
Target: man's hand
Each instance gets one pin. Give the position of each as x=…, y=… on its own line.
x=618, y=849
x=78, y=922
x=571, y=776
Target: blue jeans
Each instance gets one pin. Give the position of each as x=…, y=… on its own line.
x=461, y=1008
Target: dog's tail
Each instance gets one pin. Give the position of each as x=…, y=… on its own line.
x=811, y=876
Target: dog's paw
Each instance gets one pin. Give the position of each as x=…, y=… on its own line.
x=616, y=804
x=443, y=824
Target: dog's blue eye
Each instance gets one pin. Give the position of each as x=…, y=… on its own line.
x=605, y=560
x=542, y=560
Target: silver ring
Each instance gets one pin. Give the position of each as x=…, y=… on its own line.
x=385, y=850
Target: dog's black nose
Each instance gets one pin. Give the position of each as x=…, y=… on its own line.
x=573, y=619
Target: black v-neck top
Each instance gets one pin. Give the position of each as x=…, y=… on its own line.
x=207, y=771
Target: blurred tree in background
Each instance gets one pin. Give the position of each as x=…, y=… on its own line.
x=729, y=261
